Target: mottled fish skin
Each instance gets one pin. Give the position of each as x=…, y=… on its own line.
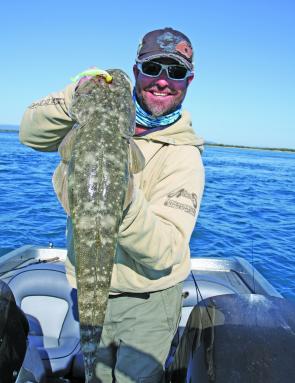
x=97, y=184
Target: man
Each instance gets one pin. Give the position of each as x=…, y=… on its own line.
x=153, y=255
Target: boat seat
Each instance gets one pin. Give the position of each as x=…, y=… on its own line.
x=192, y=296
x=50, y=304
x=237, y=338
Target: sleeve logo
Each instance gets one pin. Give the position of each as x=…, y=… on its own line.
x=48, y=101
x=183, y=200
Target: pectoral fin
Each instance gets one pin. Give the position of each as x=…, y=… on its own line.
x=136, y=158
x=66, y=147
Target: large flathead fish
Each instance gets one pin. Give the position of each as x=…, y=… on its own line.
x=97, y=184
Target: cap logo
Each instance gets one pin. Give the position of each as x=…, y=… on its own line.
x=167, y=41
x=183, y=48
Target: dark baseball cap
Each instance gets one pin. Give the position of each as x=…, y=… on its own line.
x=166, y=43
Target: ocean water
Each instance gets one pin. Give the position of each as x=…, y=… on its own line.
x=248, y=207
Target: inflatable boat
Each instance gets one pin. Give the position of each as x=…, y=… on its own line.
x=234, y=326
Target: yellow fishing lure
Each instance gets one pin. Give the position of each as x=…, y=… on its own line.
x=93, y=72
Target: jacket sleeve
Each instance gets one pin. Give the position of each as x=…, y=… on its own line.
x=47, y=121
x=156, y=232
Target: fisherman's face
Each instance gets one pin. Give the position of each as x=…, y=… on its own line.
x=160, y=95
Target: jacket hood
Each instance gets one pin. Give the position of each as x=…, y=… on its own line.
x=179, y=133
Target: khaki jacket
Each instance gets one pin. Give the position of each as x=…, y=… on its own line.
x=153, y=248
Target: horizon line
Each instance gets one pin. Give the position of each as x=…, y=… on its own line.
x=209, y=143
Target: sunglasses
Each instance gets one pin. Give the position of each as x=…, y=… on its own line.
x=154, y=69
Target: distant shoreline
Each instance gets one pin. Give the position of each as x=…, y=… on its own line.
x=250, y=147
x=206, y=144
x=9, y=131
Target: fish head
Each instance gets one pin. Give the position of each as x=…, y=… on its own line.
x=95, y=95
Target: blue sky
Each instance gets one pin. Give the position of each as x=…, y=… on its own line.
x=244, y=87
